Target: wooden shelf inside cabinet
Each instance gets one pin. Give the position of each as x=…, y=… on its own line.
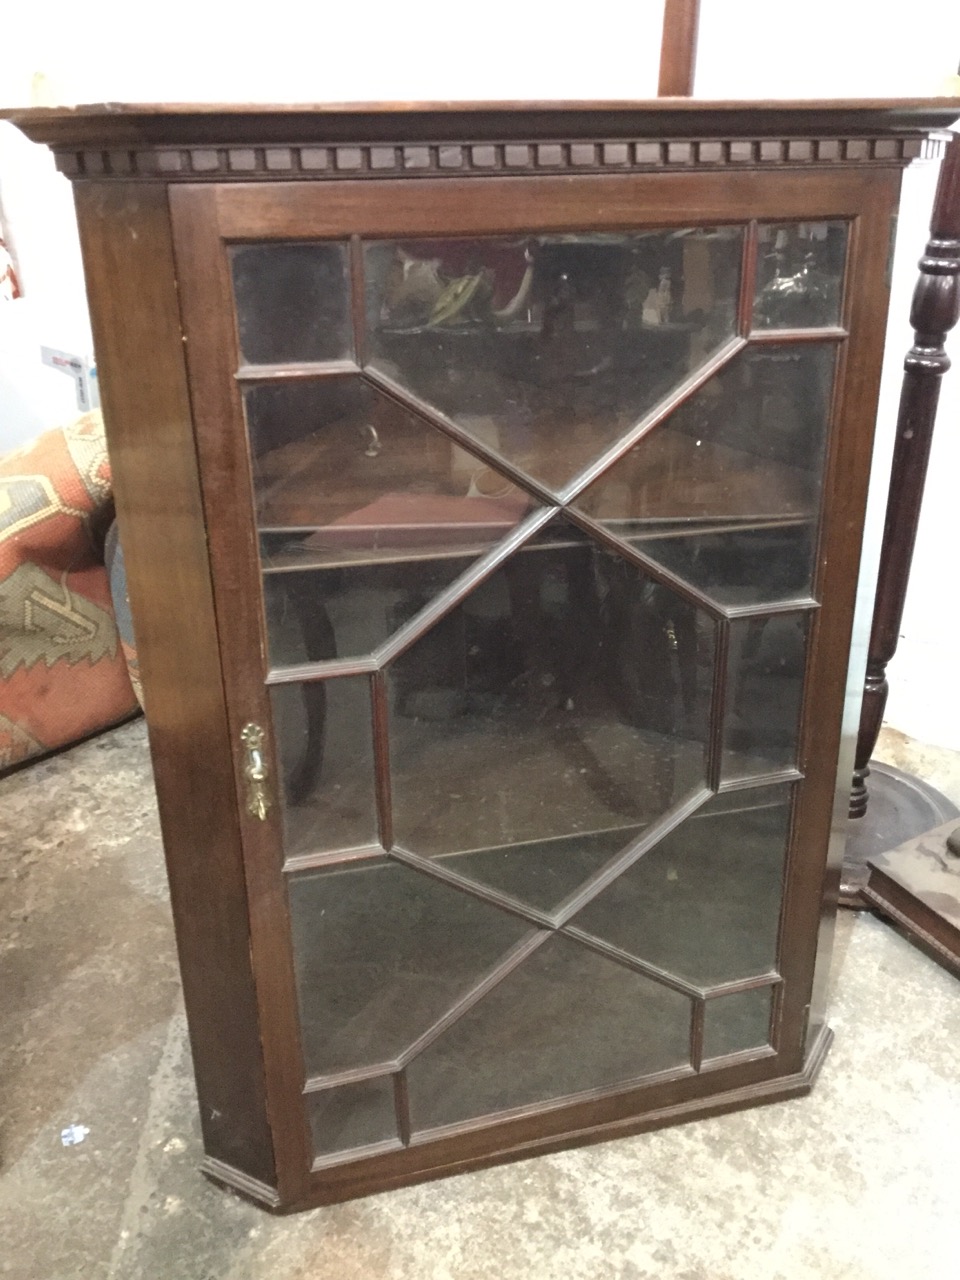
x=307, y=547
x=509, y=463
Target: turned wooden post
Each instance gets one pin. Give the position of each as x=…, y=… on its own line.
x=678, y=50
x=935, y=310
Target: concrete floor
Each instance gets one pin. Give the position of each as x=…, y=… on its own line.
x=857, y=1182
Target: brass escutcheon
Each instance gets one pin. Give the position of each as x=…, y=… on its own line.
x=255, y=771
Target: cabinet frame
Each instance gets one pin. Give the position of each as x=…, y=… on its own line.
x=160, y=191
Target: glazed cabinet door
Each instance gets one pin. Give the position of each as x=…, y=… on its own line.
x=530, y=506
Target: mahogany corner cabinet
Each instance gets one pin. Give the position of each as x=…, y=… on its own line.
x=491, y=482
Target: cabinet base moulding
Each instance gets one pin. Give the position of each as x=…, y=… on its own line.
x=225, y=1175
x=763, y=1093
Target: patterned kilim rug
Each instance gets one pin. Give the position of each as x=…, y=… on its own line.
x=63, y=668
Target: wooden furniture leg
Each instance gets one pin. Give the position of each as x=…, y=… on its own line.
x=678, y=50
x=901, y=806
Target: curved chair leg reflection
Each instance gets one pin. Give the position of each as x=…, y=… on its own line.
x=319, y=644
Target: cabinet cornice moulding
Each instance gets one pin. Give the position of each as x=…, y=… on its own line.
x=242, y=143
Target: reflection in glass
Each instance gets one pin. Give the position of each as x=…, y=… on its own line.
x=725, y=492
x=365, y=514
x=381, y=953
x=564, y=1021
x=740, y=567
x=766, y=664
x=293, y=302
x=737, y=1022
x=704, y=903
x=800, y=269
x=352, y=1115
x=540, y=727
x=544, y=722
x=547, y=348
x=325, y=748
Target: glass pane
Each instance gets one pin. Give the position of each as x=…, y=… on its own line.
x=540, y=726
x=381, y=953
x=564, y=1021
x=547, y=348
x=704, y=903
x=737, y=1022
x=325, y=745
x=354, y=1115
x=293, y=302
x=365, y=513
x=800, y=269
x=765, y=669
x=725, y=492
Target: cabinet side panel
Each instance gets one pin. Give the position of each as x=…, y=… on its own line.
x=814, y=887
x=128, y=259
x=206, y=309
